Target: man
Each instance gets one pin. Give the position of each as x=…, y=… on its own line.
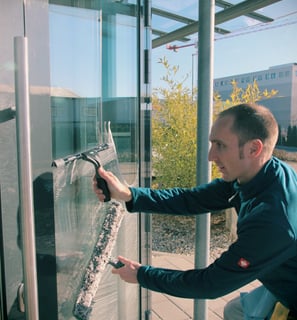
x=261, y=188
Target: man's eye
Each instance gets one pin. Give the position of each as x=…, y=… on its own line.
x=220, y=145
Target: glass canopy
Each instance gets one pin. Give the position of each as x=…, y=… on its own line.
x=178, y=24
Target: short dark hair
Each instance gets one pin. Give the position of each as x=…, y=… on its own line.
x=252, y=121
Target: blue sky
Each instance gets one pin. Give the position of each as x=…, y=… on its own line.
x=250, y=48
x=75, y=46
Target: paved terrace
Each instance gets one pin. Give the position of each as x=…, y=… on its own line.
x=166, y=307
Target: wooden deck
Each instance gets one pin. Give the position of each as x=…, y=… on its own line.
x=166, y=307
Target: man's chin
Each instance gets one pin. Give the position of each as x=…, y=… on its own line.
x=227, y=178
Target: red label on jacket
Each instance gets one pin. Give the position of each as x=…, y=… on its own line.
x=243, y=263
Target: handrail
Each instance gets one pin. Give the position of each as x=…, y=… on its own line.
x=25, y=176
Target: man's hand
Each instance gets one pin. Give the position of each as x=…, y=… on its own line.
x=128, y=272
x=117, y=190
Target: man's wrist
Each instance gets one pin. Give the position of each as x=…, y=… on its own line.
x=128, y=196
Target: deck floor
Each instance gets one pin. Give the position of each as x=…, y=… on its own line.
x=166, y=307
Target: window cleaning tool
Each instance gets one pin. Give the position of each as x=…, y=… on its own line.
x=101, y=183
x=115, y=263
x=7, y=114
x=103, y=154
x=90, y=156
x=100, y=258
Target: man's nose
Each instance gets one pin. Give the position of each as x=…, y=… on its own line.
x=211, y=154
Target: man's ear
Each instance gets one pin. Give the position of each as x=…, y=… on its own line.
x=255, y=147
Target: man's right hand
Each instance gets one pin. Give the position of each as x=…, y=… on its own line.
x=117, y=190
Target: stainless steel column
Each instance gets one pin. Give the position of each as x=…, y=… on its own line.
x=25, y=176
x=205, y=100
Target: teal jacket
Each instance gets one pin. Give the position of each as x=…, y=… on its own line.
x=266, y=247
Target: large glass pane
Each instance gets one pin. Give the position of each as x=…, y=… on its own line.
x=84, y=97
x=69, y=41
x=120, y=81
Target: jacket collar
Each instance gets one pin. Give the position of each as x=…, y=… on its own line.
x=260, y=182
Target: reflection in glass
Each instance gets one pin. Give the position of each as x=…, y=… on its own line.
x=93, y=80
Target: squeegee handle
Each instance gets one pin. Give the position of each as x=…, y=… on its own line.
x=101, y=184
x=116, y=263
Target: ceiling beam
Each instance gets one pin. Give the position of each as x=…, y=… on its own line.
x=160, y=33
x=182, y=19
x=253, y=15
x=172, y=16
x=233, y=12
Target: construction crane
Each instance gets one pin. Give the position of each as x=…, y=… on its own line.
x=175, y=47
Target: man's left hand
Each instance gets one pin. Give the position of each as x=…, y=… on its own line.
x=128, y=272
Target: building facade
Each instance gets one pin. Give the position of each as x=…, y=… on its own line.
x=282, y=78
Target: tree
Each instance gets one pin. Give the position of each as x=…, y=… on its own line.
x=251, y=94
x=174, y=132
x=174, y=126
x=292, y=136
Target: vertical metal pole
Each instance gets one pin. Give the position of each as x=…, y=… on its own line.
x=145, y=145
x=3, y=306
x=205, y=98
x=25, y=176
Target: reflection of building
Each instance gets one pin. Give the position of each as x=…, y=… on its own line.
x=282, y=78
x=80, y=79
x=78, y=117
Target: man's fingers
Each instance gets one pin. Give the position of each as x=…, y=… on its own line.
x=99, y=192
x=102, y=172
x=128, y=272
x=124, y=260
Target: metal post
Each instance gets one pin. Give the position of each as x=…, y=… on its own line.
x=3, y=306
x=145, y=151
x=205, y=98
x=25, y=176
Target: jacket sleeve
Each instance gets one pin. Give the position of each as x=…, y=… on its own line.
x=204, y=198
x=251, y=257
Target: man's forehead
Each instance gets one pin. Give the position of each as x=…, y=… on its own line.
x=221, y=129
x=224, y=120
x=223, y=123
